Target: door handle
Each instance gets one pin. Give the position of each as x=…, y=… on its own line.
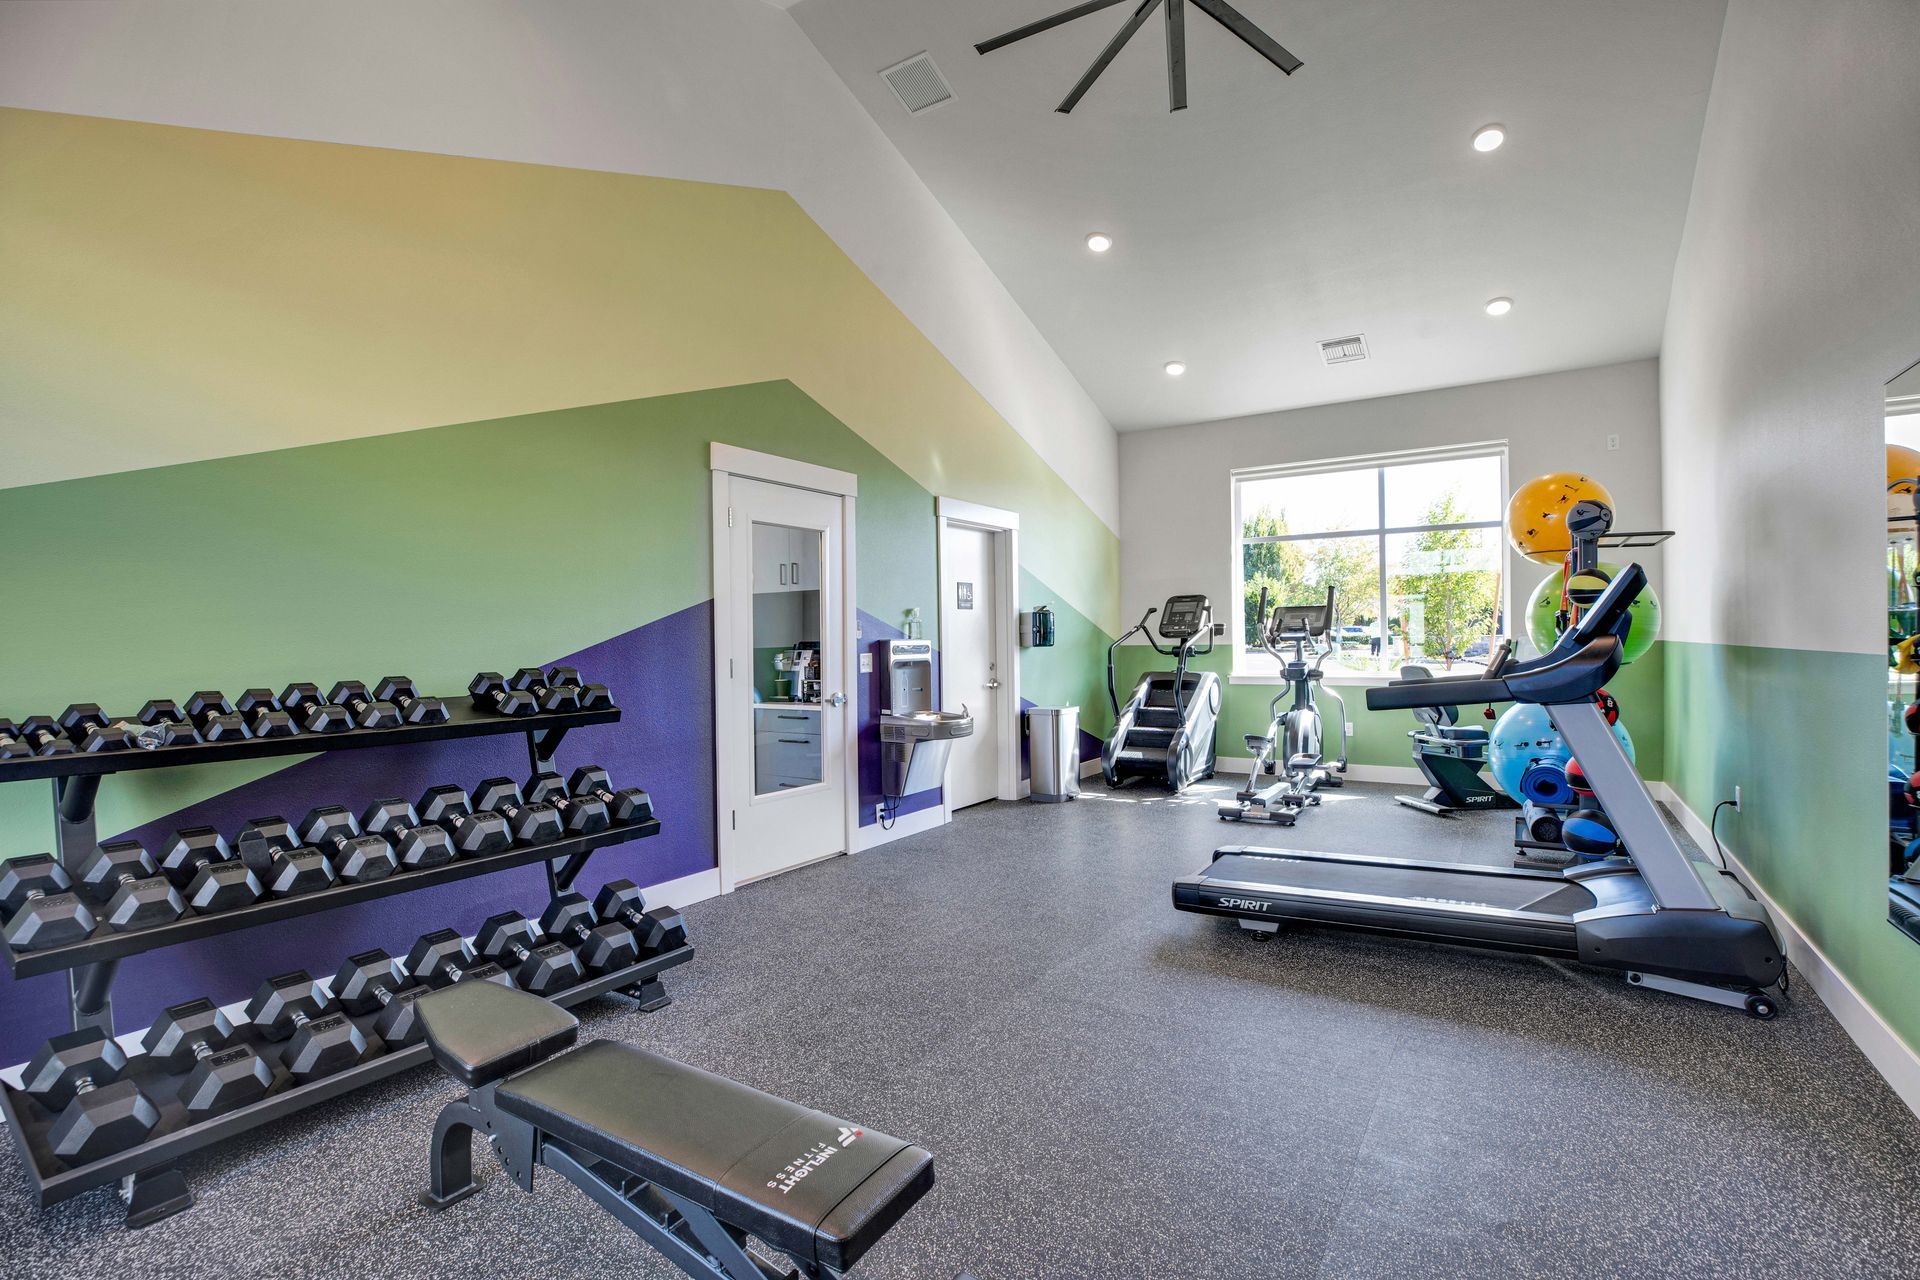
x=783, y=573
x=796, y=573
x=837, y=700
x=993, y=684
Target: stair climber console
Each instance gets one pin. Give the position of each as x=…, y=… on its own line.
x=1164, y=731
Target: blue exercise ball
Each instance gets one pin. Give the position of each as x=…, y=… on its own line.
x=1524, y=736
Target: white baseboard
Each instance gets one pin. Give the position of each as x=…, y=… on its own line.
x=1892, y=1057
x=1090, y=768
x=909, y=824
x=685, y=891
x=1403, y=774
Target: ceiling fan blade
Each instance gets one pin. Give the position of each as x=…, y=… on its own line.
x=1262, y=43
x=1107, y=55
x=1176, y=55
x=1044, y=24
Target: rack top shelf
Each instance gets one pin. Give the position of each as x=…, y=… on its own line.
x=465, y=721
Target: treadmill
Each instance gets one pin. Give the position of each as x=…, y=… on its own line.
x=1670, y=922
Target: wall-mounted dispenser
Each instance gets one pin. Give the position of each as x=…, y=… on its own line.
x=1036, y=627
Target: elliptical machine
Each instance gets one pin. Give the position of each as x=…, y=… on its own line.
x=1451, y=755
x=1165, y=730
x=1292, y=752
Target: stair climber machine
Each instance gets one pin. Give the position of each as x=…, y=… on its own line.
x=1165, y=730
x=1667, y=920
x=1292, y=753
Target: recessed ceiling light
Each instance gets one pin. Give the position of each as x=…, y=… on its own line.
x=1499, y=306
x=1176, y=367
x=1099, y=242
x=1488, y=137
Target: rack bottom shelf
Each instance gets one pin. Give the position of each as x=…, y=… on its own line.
x=28, y=1122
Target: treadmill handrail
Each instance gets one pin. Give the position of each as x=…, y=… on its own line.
x=1551, y=681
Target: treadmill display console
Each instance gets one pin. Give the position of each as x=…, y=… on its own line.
x=1183, y=617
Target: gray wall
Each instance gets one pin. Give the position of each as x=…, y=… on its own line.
x=1176, y=504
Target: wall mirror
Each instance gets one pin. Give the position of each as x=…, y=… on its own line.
x=1903, y=651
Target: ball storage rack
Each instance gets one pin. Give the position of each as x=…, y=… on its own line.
x=146, y=1174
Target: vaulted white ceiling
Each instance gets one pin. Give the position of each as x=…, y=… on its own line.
x=1275, y=212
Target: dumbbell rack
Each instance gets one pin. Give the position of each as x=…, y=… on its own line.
x=152, y=1187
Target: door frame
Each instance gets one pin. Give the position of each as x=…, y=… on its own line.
x=1005, y=528
x=733, y=748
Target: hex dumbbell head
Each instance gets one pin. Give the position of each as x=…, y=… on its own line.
x=545, y=787
x=602, y=947
x=663, y=929
x=595, y=697
x=526, y=823
x=442, y=803
x=44, y=736
x=80, y=717
x=486, y=689
x=283, y=1002
x=440, y=958
x=509, y=938
x=568, y=676
x=115, y=735
x=196, y=1037
x=527, y=679
x=417, y=846
x=266, y=715
x=348, y=691
x=326, y=826
x=222, y=886
x=190, y=849
x=12, y=745
x=141, y=904
x=399, y=1023
x=69, y=1062
x=328, y=718
x=360, y=980
x=161, y=711
x=253, y=701
x=110, y=864
x=320, y=1041
x=495, y=794
x=300, y=697
x=629, y=804
x=479, y=833
x=297, y=871
x=394, y=688
x=564, y=698
x=208, y=702
x=261, y=838
x=518, y=702
x=620, y=900
x=359, y=859
x=583, y=815
x=45, y=912
x=659, y=929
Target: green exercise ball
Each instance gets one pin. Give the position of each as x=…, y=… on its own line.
x=1545, y=602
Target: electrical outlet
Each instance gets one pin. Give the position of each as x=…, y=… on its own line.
x=1613, y=442
x=1736, y=797
x=880, y=811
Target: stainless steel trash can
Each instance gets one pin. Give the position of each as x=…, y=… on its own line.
x=1053, y=751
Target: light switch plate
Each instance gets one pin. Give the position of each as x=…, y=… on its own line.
x=866, y=664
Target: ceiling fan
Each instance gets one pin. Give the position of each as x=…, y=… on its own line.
x=1219, y=10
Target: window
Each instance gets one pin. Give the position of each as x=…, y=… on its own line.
x=1413, y=544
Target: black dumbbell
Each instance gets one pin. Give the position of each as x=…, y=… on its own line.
x=88, y=728
x=284, y=865
x=629, y=804
x=76, y=1077
x=320, y=1039
x=264, y=714
x=509, y=938
x=659, y=929
x=312, y=711
x=372, y=980
x=473, y=833
x=490, y=693
x=204, y=869
x=197, y=1038
x=580, y=815
x=356, y=856
x=43, y=910
x=215, y=717
x=527, y=823
x=416, y=844
x=414, y=709
x=533, y=681
x=593, y=697
x=442, y=958
x=12, y=745
x=368, y=712
x=122, y=875
x=167, y=723
x=602, y=946
x=44, y=736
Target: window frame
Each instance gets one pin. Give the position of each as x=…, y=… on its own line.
x=1243, y=670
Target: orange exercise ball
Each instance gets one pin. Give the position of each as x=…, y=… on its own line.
x=1536, y=514
x=1903, y=465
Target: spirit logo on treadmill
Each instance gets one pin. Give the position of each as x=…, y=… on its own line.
x=1242, y=904
x=795, y=1170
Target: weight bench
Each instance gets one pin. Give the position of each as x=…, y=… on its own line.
x=691, y=1162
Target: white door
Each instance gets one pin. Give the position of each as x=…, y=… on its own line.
x=786, y=803
x=969, y=674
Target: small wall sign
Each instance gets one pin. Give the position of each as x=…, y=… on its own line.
x=963, y=595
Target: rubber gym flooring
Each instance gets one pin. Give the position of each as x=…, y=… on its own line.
x=1112, y=1088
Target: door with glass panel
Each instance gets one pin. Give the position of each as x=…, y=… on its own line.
x=784, y=686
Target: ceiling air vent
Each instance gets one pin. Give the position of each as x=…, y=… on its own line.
x=1344, y=350
x=918, y=84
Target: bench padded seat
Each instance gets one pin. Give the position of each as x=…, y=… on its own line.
x=479, y=1032
x=801, y=1180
